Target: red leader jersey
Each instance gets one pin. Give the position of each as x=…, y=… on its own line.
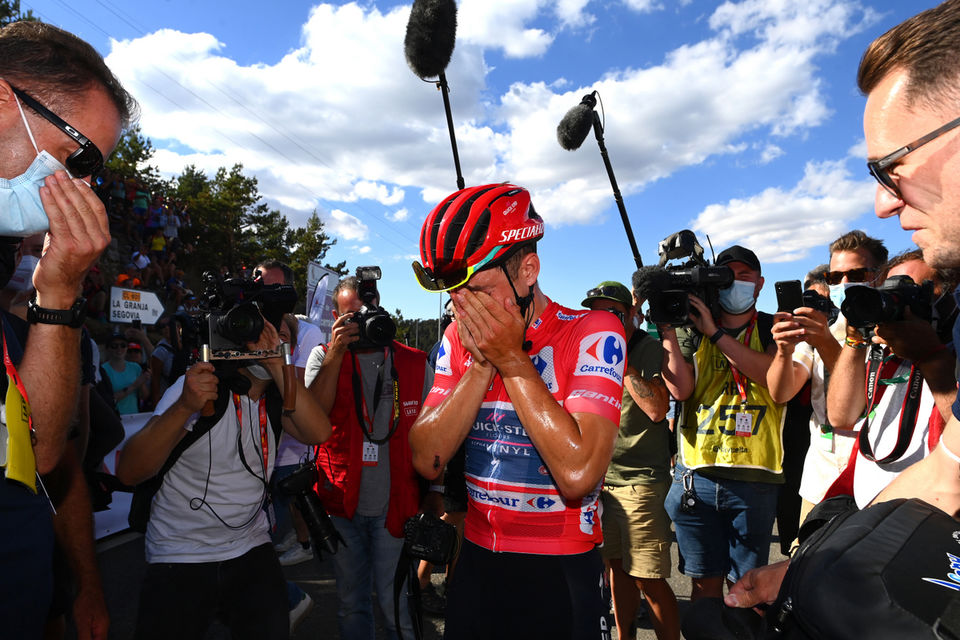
x=514, y=503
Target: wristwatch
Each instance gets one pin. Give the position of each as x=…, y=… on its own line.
x=72, y=317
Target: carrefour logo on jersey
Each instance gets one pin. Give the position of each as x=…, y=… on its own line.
x=543, y=361
x=602, y=354
x=443, y=358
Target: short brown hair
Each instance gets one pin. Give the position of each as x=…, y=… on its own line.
x=856, y=240
x=944, y=279
x=56, y=66
x=926, y=46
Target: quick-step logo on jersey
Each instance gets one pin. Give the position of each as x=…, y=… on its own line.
x=543, y=362
x=443, y=358
x=601, y=354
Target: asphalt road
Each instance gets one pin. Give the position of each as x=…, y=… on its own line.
x=122, y=566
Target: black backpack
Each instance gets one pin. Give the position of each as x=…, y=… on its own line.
x=143, y=493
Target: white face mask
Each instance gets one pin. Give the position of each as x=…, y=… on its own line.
x=23, y=213
x=259, y=372
x=738, y=297
x=839, y=291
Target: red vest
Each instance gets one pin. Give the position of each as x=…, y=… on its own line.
x=340, y=458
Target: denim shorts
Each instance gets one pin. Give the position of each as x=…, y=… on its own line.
x=728, y=531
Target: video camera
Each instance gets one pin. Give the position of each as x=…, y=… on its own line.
x=377, y=328
x=667, y=286
x=233, y=309
x=865, y=307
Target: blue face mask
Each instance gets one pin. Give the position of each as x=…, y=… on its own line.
x=738, y=297
x=23, y=214
x=839, y=291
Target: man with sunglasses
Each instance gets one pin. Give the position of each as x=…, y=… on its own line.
x=534, y=390
x=910, y=78
x=808, y=348
x=636, y=528
x=53, y=86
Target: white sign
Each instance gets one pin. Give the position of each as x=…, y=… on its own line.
x=127, y=305
x=320, y=285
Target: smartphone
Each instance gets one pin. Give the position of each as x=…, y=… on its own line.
x=789, y=295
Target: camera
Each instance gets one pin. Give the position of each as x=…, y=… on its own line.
x=670, y=287
x=377, y=328
x=235, y=308
x=865, y=307
x=429, y=538
x=299, y=484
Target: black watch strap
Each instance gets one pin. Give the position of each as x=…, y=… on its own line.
x=72, y=317
x=716, y=336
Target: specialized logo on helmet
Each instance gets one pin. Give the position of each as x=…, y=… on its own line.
x=602, y=354
x=519, y=235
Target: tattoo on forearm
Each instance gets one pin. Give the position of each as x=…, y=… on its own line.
x=436, y=462
x=641, y=388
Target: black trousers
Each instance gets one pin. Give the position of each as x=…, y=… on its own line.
x=248, y=594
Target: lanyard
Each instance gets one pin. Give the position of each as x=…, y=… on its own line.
x=15, y=377
x=908, y=412
x=264, y=442
x=741, y=380
x=360, y=402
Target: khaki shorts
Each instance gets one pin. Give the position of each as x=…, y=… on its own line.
x=636, y=529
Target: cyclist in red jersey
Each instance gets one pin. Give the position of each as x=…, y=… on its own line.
x=534, y=389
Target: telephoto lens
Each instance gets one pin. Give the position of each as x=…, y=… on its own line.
x=300, y=484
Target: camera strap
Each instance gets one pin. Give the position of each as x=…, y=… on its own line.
x=264, y=441
x=360, y=402
x=908, y=412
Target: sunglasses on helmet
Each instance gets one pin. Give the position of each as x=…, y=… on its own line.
x=85, y=161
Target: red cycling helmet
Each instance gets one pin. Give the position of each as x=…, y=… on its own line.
x=474, y=229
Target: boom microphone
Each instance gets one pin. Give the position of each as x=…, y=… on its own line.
x=431, y=33
x=648, y=281
x=573, y=129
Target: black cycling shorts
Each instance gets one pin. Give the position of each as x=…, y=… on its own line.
x=519, y=595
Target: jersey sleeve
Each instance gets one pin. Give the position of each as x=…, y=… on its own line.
x=446, y=372
x=596, y=382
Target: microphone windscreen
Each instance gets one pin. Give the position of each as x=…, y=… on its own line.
x=431, y=34
x=573, y=129
x=647, y=281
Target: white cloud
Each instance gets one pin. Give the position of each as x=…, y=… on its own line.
x=770, y=153
x=361, y=250
x=783, y=225
x=341, y=119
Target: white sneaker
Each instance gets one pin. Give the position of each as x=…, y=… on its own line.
x=299, y=612
x=296, y=555
x=287, y=543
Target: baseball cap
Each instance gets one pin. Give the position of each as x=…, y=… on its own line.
x=609, y=290
x=134, y=346
x=736, y=253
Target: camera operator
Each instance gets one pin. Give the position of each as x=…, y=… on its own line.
x=372, y=389
x=807, y=349
x=729, y=469
x=636, y=528
x=534, y=389
x=207, y=540
x=911, y=353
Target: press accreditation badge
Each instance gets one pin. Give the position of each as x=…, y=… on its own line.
x=744, y=425
x=371, y=453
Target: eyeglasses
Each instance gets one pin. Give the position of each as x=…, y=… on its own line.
x=880, y=169
x=853, y=275
x=85, y=161
x=605, y=292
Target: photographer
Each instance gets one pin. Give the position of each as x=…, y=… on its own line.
x=372, y=387
x=807, y=349
x=207, y=539
x=724, y=495
x=911, y=353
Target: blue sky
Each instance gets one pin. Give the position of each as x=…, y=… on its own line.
x=740, y=120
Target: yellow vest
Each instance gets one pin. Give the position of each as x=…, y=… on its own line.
x=708, y=432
